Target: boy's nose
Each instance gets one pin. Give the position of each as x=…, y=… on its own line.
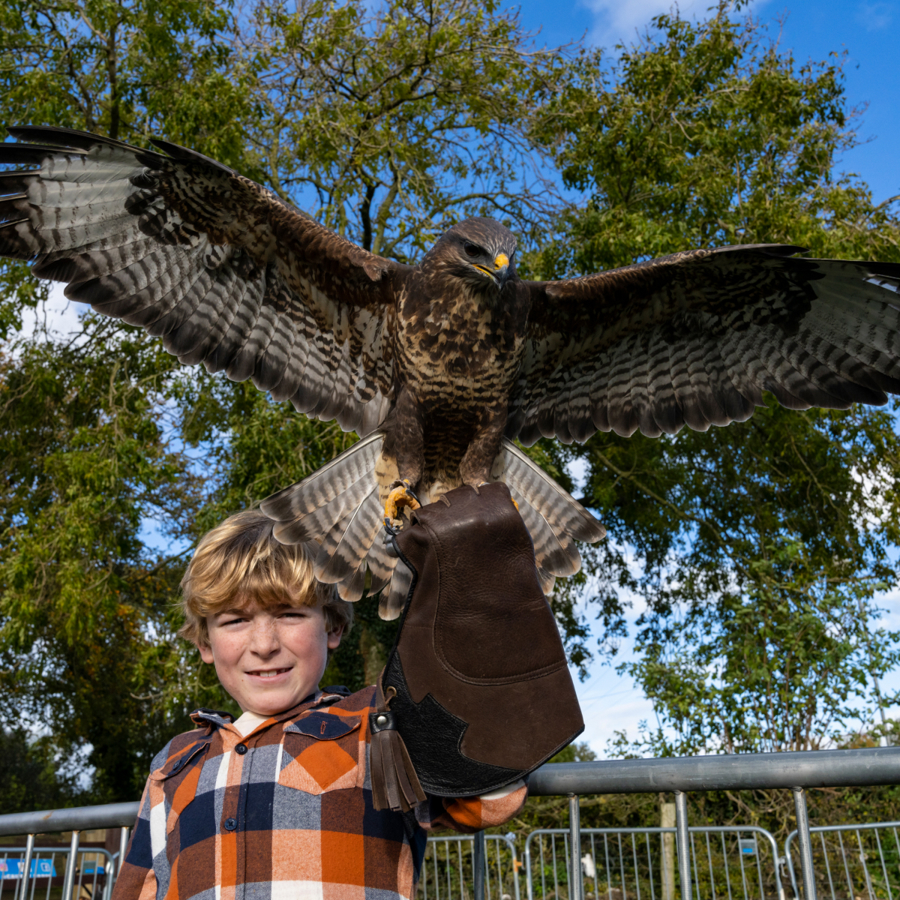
x=264, y=638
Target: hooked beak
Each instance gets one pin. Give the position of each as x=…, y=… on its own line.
x=500, y=272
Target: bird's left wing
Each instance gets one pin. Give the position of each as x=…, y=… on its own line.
x=695, y=338
x=218, y=266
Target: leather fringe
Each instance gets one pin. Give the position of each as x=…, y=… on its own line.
x=395, y=784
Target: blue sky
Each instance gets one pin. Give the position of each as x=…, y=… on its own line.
x=812, y=30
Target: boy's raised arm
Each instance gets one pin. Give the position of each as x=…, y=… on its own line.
x=471, y=814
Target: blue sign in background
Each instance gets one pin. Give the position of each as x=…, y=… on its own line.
x=40, y=868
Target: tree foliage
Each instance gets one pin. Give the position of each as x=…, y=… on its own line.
x=757, y=550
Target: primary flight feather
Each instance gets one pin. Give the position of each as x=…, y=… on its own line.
x=439, y=366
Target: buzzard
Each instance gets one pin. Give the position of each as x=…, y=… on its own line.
x=438, y=367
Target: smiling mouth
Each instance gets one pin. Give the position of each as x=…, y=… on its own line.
x=268, y=673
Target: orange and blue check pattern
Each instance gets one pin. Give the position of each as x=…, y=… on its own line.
x=285, y=812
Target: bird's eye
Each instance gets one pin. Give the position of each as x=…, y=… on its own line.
x=471, y=249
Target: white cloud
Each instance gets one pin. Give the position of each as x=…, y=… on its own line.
x=616, y=21
x=875, y=16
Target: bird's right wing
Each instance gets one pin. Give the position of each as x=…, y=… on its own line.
x=225, y=272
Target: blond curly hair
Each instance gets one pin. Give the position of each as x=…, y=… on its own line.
x=240, y=562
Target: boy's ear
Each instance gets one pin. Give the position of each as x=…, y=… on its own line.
x=334, y=637
x=206, y=653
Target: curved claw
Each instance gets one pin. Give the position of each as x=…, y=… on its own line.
x=402, y=497
x=483, y=483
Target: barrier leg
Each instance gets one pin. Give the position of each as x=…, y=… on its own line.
x=683, y=844
x=71, y=865
x=22, y=892
x=576, y=885
x=478, y=862
x=805, y=845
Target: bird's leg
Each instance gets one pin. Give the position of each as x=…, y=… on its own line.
x=402, y=459
x=478, y=461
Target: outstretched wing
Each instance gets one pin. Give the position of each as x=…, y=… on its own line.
x=225, y=272
x=695, y=338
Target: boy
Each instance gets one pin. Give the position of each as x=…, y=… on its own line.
x=278, y=803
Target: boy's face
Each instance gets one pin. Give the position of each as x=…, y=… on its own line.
x=269, y=659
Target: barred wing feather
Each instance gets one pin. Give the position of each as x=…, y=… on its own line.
x=695, y=338
x=220, y=268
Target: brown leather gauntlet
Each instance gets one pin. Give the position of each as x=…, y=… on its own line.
x=477, y=684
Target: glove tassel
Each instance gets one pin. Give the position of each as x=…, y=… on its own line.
x=395, y=784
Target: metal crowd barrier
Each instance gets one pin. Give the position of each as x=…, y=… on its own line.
x=448, y=867
x=92, y=873
x=855, y=857
x=726, y=862
x=753, y=771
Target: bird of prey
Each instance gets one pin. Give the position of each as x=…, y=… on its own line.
x=440, y=366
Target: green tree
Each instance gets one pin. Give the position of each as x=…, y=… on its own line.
x=32, y=775
x=759, y=547
x=374, y=120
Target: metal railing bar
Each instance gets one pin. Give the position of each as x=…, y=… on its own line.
x=608, y=874
x=694, y=861
x=862, y=826
x=622, y=870
x=69, y=881
x=827, y=864
x=78, y=818
x=846, y=867
x=732, y=771
x=681, y=844
x=576, y=885
x=26, y=870
x=865, y=866
x=594, y=859
x=649, y=866
x=887, y=882
x=727, y=869
x=897, y=845
x=543, y=871
x=49, y=880
x=637, y=869
x=743, y=870
x=803, y=842
x=712, y=880
x=555, y=870
x=758, y=858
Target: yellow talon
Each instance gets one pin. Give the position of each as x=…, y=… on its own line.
x=516, y=505
x=399, y=498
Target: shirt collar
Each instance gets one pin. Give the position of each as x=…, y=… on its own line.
x=216, y=719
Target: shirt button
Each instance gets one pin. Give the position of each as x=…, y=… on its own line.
x=241, y=749
x=230, y=824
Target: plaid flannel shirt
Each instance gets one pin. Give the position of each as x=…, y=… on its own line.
x=285, y=812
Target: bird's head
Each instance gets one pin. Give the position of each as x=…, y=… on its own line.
x=481, y=252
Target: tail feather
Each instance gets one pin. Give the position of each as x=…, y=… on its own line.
x=327, y=483
x=342, y=557
x=339, y=508
x=548, y=581
x=554, y=552
x=563, y=513
x=393, y=600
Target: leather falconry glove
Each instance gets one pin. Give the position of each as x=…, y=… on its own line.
x=476, y=692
